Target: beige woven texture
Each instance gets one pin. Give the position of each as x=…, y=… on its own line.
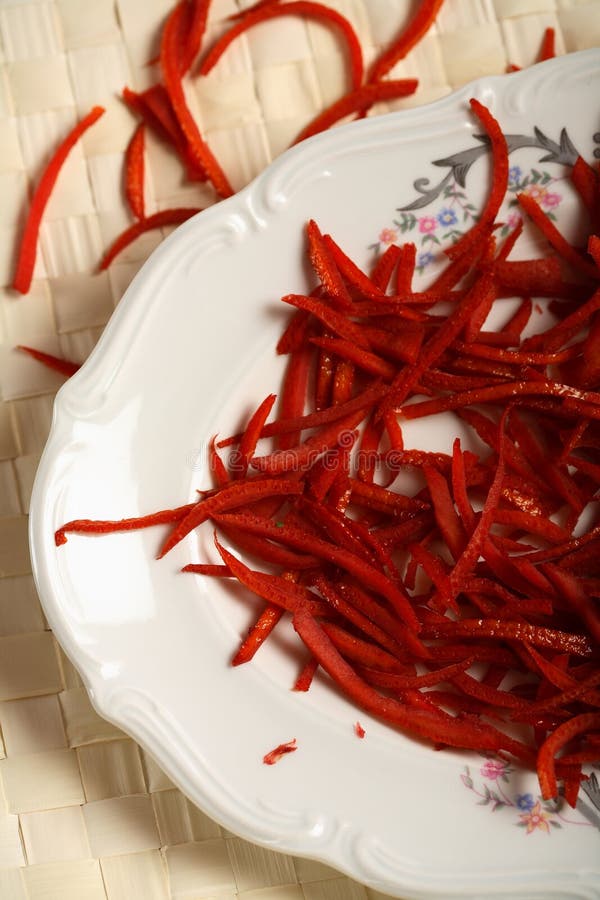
x=85, y=814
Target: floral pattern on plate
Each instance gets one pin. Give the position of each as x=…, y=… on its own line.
x=493, y=785
x=449, y=213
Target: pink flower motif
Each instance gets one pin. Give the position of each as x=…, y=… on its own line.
x=536, y=818
x=493, y=769
x=551, y=201
x=513, y=221
x=535, y=191
x=388, y=236
x=427, y=224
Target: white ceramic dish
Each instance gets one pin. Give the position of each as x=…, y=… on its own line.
x=187, y=353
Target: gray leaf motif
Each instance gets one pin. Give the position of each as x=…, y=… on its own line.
x=590, y=805
x=459, y=164
x=427, y=196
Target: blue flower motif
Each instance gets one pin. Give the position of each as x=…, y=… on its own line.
x=424, y=259
x=447, y=217
x=525, y=802
x=514, y=174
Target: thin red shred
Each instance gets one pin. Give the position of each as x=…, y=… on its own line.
x=273, y=756
x=172, y=74
x=547, y=50
x=134, y=173
x=307, y=9
x=359, y=731
x=28, y=245
x=155, y=109
x=416, y=29
x=360, y=100
x=160, y=219
x=64, y=366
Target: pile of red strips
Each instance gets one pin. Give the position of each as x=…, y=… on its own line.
x=163, y=108
x=492, y=566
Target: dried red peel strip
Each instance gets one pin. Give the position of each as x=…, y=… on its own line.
x=332, y=319
x=587, y=402
x=306, y=9
x=436, y=727
x=470, y=554
x=154, y=107
x=273, y=756
x=408, y=38
x=134, y=173
x=575, y=595
x=515, y=357
x=362, y=651
x=560, y=333
x=325, y=266
x=305, y=678
x=459, y=488
x=403, y=682
x=28, y=243
x=251, y=435
x=385, y=266
x=258, y=634
x=160, y=219
x=306, y=542
x=562, y=735
x=448, y=522
x=357, y=101
x=235, y=495
x=499, y=183
x=355, y=277
x=216, y=464
x=381, y=498
x=365, y=360
x=335, y=527
x=268, y=552
x=195, y=35
x=170, y=65
x=108, y=526
x=404, y=383
x=64, y=366
x=580, y=690
x=406, y=268
x=302, y=456
x=345, y=594
x=553, y=235
x=274, y=589
x=500, y=629
x=534, y=524
x=362, y=401
x=210, y=569
x=587, y=184
x=547, y=50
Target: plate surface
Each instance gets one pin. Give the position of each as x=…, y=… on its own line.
x=187, y=354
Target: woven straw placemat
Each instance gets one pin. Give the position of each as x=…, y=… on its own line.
x=85, y=814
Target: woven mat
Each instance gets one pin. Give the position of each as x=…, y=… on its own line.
x=85, y=814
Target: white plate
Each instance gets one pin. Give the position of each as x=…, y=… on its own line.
x=188, y=352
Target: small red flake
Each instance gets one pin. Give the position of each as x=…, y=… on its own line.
x=359, y=730
x=275, y=755
x=538, y=308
